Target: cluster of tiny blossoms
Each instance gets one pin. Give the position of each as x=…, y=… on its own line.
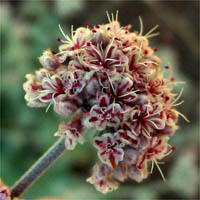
x=109, y=79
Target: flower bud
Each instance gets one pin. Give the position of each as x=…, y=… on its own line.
x=49, y=61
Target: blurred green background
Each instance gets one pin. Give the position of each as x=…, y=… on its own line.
x=28, y=28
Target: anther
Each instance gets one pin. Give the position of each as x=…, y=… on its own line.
x=86, y=24
x=173, y=148
x=58, y=39
x=139, y=166
x=151, y=134
x=88, y=44
x=155, y=49
x=172, y=79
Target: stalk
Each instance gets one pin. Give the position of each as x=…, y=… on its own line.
x=45, y=161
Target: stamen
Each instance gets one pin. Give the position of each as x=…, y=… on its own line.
x=178, y=104
x=173, y=148
x=146, y=133
x=111, y=83
x=72, y=31
x=112, y=17
x=172, y=79
x=153, y=35
x=159, y=170
x=113, y=108
x=141, y=26
x=98, y=52
x=58, y=39
x=117, y=14
x=155, y=49
x=132, y=92
x=152, y=167
x=110, y=45
x=168, y=153
x=108, y=16
x=150, y=31
x=177, y=98
x=49, y=106
x=86, y=23
x=183, y=116
x=65, y=36
x=147, y=62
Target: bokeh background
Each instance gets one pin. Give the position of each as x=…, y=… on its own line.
x=28, y=28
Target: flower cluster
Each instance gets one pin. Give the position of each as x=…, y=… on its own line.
x=109, y=78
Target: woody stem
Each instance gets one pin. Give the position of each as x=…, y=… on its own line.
x=32, y=174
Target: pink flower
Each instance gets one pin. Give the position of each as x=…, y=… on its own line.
x=155, y=87
x=52, y=86
x=156, y=149
x=71, y=134
x=121, y=89
x=144, y=118
x=109, y=150
x=104, y=114
x=105, y=59
x=102, y=180
x=49, y=61
x=77, y=41
x=65, y=106
x=4, y=193
x=127, y=137
x=75, y=82
x=32, y=88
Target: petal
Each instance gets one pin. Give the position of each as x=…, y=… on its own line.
x=70, y=143
x=112, y=160
x=100, y=125
x=118, y=154
x=136, y=128
x=99, y=143
x=120, y=173
x=95, y=110
x=124, y=86
x=92, y=119
x=104, y=101
x=131, y=155
x=114, y=122
x=135, y=174
x=134, y=114
x=157, y=122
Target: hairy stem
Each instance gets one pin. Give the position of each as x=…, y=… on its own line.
x=30, y=176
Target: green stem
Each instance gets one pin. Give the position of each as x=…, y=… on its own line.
x=38, y=168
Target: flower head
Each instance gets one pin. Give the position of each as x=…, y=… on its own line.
x=109, y=79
